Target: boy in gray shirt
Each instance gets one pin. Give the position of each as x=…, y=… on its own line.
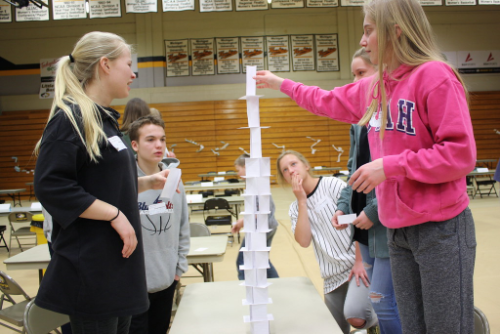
x=165, y=235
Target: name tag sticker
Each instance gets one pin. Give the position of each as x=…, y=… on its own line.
x=346, y=219
x=155, y=209
x=322, y=204
x=117, y=143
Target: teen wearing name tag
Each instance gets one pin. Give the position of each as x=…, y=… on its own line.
x=87, y=180
x=165, y=229
x=311, y=216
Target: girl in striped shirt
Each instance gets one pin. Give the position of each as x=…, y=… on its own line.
x=311, y=216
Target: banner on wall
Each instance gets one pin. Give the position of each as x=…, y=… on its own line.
x=47, y=77
x=252, y=52
x=68, y=9
x=202, y=55
x=431, y=2
x=278, y=48
x=32, y=13
x=177, y=58
x=141, y=6
x=460, y=2
x=177, y=5
x=105, y=8
x=327, y=53
x=351, y=3
x=228, y=55
x=489, y=2
x=216, y=6
x=302, y=52
x=242, y=5
x=322, y=3
x=478, y=61
x=277, y=4
x=5, y=12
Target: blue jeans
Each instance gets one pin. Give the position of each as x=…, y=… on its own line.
x=382, y=293
x=271, y=272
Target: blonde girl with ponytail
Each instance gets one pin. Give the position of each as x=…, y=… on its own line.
x=87, y=181
x=422, y=147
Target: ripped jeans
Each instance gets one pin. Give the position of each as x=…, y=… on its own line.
x=382, y=292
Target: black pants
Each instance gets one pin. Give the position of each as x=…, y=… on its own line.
x=157, y=318
x=115, y=325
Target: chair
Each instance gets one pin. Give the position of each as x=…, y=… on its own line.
x=3, y=228
x=199, y=230
x=20, y=227
x=481, y=325
x=13, y=314
x=38, y=320
x=215, y=204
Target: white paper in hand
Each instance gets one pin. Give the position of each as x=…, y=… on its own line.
x=172, y=183
x=346, y=219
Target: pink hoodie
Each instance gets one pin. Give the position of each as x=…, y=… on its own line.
x=428, y=146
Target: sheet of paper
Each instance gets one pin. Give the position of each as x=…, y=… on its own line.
x=253, y=114
x=255, y=143
x=36, y=206
x=264, y=203
x=318, y=167
x=117, y=143
x=221, y=173
x=218, y=178
x=482, y=169
x=346, y=219
x=200, y=249
x=193, y=198
x=260, y=295
x=172, y=183
x=258, y=312
x=207, y=184
x=5, y=207
x=251, y=86
x=262, y=223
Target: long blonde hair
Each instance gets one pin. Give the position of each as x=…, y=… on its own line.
x=416, y=45
x=73, y=75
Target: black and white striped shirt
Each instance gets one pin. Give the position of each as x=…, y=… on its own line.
x=332, y=248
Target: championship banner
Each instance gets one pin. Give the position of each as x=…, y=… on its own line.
x=141, y=6
x=278, y=58
x=431, y=2
x=302, y=52
x=5, y=12
x=216, y=6
x=47, y=77
x=243, y=5
x=105, y=8
x=252, y=52
x=327, y=53
x=177, y=58
x=228, y=55
x=353, y=3
x=322, y=3
x=277, y=4
x=177, y=5
x=489, y=2
x=460, y=2
x=68, y=9
x=32, y=13
x=202, y=55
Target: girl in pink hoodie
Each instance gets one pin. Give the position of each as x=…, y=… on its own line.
x=422, y=146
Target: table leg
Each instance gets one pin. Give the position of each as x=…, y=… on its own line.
x=40, y=275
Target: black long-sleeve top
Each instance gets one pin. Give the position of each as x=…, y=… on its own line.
x=87, y=275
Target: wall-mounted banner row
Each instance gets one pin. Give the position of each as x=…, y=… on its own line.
x=77, y=9
x=231, y=55
x=485, y=61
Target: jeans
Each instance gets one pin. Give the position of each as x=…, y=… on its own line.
x=432, y=269
x=114, y=325
x=382, y=292
x=157, y=319
x=271, y=272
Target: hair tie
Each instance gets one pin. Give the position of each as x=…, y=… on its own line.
x=71, y=59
